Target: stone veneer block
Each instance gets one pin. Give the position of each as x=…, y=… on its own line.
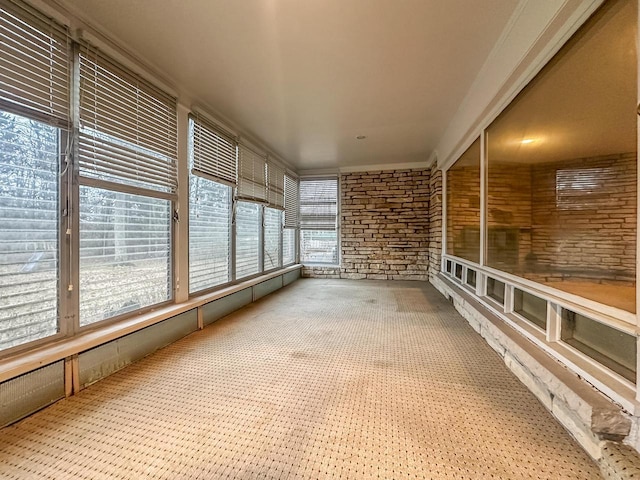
x=384, y=227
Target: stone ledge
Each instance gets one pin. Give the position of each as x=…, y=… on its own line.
x=586, y=413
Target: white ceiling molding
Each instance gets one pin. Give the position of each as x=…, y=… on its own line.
x=385, y=166
x=535, y=32
x=204, y=113
x=433, y=160
x=369, y=168
x=318, y=172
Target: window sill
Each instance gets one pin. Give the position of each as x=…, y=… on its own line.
x=28, y=360
x=316, y=265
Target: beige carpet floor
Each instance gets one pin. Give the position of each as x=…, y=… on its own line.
x=325, y=379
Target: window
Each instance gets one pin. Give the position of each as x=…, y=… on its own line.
x=471, y=278
x=495, y=290
x=209, y=233
x=608, y=346
x=291, y=211
x=212, y=158
x=108, y=203
x=248, y=231
x=34, y=126
x=272, y=231
x=318, y=221
x=29, y=235
x=127, y=144
x=458, y=271
x=125, y=249
x=562, y=167
x=288, y=246
x=530, y=307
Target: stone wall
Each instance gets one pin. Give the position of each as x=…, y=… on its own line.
x=435, y=222
x=384, y=226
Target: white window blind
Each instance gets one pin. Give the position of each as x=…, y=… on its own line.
x=209, y=233
x=318, y=204
x=214, y=152
x=35, y=63
x=248, y=224
x=252, y=181
x=275, y=185
x=128, y=127
x=291, y=208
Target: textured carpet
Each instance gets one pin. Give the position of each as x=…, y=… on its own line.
x=325, y=379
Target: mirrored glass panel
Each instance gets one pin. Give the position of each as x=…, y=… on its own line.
x=463, y=205
x=530, y=307
x=561, y=171
x=495, y=290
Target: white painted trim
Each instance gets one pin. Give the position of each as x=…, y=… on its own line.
x=385, y=166
x=638, y=198
x=483, y=198
x=318, y=173
x=181, y=229
x=433, y=160
x=554, y=322
x=339, y=220
x=374, y=167
x=637, y=368
x=443, y=210
x=481, y=284
x=202, y=112
x=509, y=298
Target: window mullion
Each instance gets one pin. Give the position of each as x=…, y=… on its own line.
x=233, y=235
x=70, y=233
x=261, y=236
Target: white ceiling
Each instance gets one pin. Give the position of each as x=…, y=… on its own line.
x=307, y=77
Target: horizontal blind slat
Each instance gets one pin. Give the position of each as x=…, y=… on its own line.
x=213, y=151
x=291, y=208
x=35, y=63
x=318, y=204
x=128, y=128
x=252, y=184
x=275, y=185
